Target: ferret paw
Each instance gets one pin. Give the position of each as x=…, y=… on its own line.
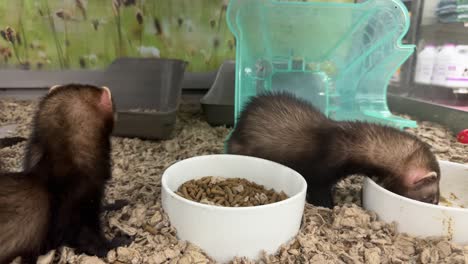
x=117, y=205
x=102, y=250
x=99, y=251
x=320, y=198
x=92, y=244
x=120, y=240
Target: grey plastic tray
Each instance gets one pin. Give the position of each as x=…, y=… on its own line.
x=145, y=125
x=218, y=103
x=136, y=83
x=149, y=84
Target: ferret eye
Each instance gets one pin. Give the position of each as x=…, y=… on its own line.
x=428, y=198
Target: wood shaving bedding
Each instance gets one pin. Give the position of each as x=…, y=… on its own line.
x=345, y=234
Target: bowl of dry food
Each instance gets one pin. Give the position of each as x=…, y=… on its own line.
x=449, y=218
x=233, y=205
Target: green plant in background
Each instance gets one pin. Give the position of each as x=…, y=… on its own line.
x=90, y=34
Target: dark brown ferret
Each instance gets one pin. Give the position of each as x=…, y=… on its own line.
x=24, y=217
x=288, y=130
x=56, y=201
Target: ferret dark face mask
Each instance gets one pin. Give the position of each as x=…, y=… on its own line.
x=421, y=177
x=425, y=189
x=417, y=184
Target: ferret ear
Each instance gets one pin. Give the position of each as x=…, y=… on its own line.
x=425, y=178
x=108, y=91
x=53, y=88
x=106, y=99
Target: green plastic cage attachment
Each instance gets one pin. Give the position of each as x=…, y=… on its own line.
x=339, y=56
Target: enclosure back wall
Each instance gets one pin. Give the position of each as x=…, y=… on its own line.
x=74, y=34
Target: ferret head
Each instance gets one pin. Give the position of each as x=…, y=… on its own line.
x=79, y=107
x=420, y=176
x=72, y=125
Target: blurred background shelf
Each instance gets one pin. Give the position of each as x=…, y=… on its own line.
x=441, y=33
x=415, y=98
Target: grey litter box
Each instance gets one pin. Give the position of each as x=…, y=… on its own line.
x=145, y=83
x=218, y=103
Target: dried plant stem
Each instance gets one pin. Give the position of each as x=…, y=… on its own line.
x=160, y=31
x=15, y=51
x=141, y=37
x=140, y=29
x=65, y=47
x=142, y=24
x=25, y=41
x=220, y=19
x=130, y=44
x=214, y=49
x=22, y=32
x=54, y=33
x=88, y=50
x=118, y=23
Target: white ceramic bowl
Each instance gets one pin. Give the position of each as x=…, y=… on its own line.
x=420, y=219
x=226, y=232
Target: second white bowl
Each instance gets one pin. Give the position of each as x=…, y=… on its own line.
x=421, y=219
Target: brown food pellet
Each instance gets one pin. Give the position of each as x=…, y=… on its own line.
x=206, y=181
x=217, y=191
x=184, y=191
x=229, y=192
x=199, y=194
x=236, y=200
x=274, y=197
